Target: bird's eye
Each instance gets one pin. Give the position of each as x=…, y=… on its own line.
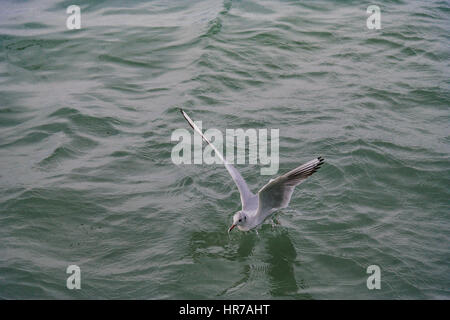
x=240, y=220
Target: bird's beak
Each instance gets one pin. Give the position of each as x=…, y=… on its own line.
x=231, y=228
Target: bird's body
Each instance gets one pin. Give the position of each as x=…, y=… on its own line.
x=275, y=195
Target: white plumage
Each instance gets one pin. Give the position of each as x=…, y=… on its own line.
x=276, y=194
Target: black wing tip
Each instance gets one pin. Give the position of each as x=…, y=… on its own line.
x=318, y=166
x=311, y=169
x=184, y=116
x=321, y=161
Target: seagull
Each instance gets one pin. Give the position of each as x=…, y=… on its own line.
x=275, y=195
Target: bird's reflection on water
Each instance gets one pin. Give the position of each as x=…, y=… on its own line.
x=276, y=262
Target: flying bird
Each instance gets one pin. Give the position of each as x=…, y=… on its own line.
x=275, y=195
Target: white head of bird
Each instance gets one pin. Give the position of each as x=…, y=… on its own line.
x=240, y=220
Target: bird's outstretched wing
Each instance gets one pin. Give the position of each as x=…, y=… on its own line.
x=277, y=193
x=248, y=199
